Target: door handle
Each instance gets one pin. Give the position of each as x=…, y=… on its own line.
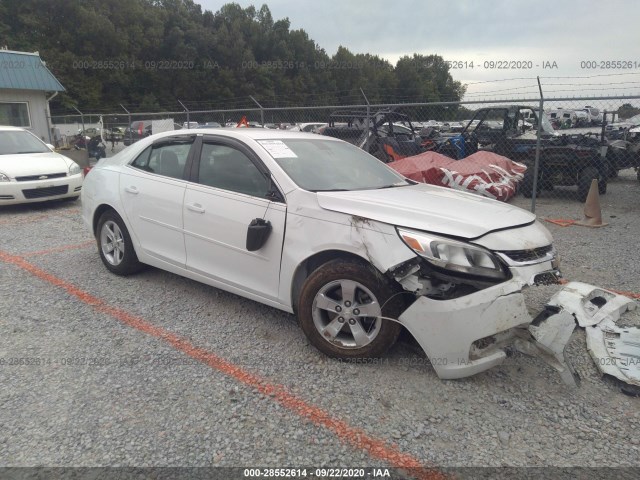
x=133, y=190
x=195, y=207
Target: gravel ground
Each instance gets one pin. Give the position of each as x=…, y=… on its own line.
x=106, y=394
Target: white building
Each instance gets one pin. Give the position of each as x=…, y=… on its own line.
x=26, y=86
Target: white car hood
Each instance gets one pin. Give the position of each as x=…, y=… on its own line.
x=33, y=164
x=429, y=208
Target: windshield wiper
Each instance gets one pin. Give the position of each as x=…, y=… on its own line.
x=332, y=190
x=30, y=151
x=394, y=185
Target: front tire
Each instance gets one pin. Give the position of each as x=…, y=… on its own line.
x=115, y=246
x=339, y=310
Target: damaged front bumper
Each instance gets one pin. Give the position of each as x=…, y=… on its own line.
x=467, y=335
x=447, y=329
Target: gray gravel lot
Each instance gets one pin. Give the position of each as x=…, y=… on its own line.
x=107, y=394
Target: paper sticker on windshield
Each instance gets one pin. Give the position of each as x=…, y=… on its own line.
x=277, y=149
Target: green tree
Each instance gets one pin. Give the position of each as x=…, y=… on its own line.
x=147, y=54
x=627, y=111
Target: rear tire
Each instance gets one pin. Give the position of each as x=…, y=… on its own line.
x=115, y=246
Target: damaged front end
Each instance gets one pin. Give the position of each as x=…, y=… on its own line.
x=463, y=323
x=469, y=305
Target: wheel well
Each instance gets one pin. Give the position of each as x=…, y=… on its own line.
x=98, y=213
x=306, y=267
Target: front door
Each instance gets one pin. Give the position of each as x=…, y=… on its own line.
x=230, y=189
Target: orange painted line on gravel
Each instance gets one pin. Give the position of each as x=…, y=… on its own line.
x=60, y=249
x=355, y=437
x=35, y=218
x=635, y=296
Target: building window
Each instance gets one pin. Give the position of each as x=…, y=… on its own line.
x=15, y=114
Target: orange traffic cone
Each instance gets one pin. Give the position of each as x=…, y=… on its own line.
x=592, y=211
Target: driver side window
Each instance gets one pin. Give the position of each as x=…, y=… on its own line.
x=228, y=168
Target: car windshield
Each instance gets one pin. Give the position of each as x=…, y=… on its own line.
x=321, y=165
x=17, y=141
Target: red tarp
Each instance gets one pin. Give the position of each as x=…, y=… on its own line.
x=486, y=173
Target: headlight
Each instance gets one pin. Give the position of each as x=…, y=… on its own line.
x=74, y=169
x=4, y=178
x=453, y=255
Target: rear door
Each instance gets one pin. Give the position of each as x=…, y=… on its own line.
x=152, y=189
x=229, y=189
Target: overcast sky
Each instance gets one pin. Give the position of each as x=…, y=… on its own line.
x=566, y=32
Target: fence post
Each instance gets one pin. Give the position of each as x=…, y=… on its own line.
x=261, y=110
x=49, y=127
x=129, y=126
x=81, y=119
x=536, y=166
x=186, y=110
x=367, y=143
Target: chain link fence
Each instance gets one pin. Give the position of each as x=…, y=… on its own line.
x=573, y=142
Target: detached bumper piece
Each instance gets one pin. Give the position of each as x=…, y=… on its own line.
x=547, y=337
x=612, y=324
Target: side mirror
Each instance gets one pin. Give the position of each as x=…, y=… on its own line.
x=51, y=147
x=257, y=234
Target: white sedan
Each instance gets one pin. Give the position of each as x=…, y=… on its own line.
x=317, y=227
x=31, y=172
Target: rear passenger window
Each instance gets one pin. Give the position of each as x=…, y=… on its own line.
x=142, y=162
x=167, y=159
x=227, y=168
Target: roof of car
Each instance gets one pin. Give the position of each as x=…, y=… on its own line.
x=251, y=133
x=8, y=128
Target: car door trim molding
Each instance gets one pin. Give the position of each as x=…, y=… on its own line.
x=162, y=224
x=225, y=245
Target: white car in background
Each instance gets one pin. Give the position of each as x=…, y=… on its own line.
x=311, y=127
x=30, y=171
x=623, y=125
x=315, y=226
